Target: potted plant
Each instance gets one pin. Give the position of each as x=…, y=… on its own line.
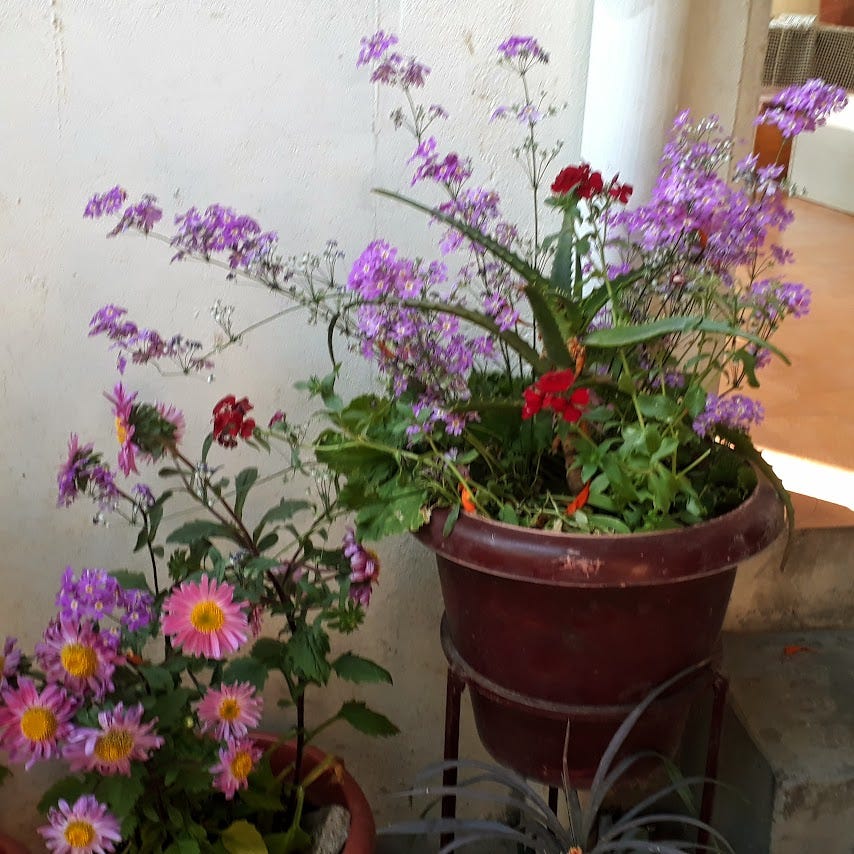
x=564, y=420
x=148, y=682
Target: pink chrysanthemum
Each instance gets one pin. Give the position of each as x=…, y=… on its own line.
x=10, y=660
x=236, y=761
x=122, y=409
x=175, y=417
x=122, y=738
x=85, y=828
x=364, y=568
x=204, y=619
x=78, y=657
x=32, y=723
x=230, y=710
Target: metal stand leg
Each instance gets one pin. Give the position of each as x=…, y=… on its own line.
x=720, y=686
x=453, y=698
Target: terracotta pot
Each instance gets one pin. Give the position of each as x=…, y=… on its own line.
x=547, y=628
x=11, y=846
x=327, y=790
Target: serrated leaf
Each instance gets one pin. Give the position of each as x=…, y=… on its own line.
x=243, y=483
x=158, y=678
x=119, y=792
x=67, y=789
x=282, y=512
x=241, y=837
x=307, y=650
x=183, y=846
x=366, y=720
x=354, y=668
x=270, y=652
x=562, y=266
x=200, y=529
x=249, y=670
x=260, y=564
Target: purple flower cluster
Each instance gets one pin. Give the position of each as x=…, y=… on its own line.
x=82, y=472
x=476, y=207
x=523, y=48
x=364, y=569
x=695, y=212
x=774, y=300
x=804, y=107
x=102, y=204
x=10, y=660
x=411, y=345
x=392, y=69
x=97, y=594
x=735, y=411
x=145, y=345
x=452, y=170
x=221, y=229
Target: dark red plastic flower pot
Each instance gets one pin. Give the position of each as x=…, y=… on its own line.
x=547, y=628
x=330, y=788
x=11, y=846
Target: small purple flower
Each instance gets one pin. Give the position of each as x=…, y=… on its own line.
x=142, y=216
x=735, y=411
x=373, y=47
x=803, y=107
x=74, y=472
x=105, y=203
x=774, y=300
x=138, y=608
x=144, y=495
x=94, y=596
x=364, y=568
x=529, y=115
x=10, y=661
x=523, y=48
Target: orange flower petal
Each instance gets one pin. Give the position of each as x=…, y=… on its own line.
x=794, y=649
x=580, y=500
x=467, y=499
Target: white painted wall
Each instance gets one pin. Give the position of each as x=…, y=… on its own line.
x=256, y=104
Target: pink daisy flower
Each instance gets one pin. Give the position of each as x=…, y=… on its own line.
x=121, y=739
x=123, y=409
x=364, y=568
x=176, y=418
x=85, y=828
x=10, y=660
x=230, y=710
x=204, y=619
x=32, y=723
x=236, y=761
x=78, y=657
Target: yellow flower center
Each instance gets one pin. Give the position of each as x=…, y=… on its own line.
x=79, y=834
x=241, y=765
x=79, y=660
x=115, y=745
x=38, y=724
x=121, y=431
x=229, y=709
x=207, y=617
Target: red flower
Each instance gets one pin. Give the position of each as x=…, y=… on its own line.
x=620, y=192
x=555, y=381
x=580, y=180
x=549, y=391
x=230, y=421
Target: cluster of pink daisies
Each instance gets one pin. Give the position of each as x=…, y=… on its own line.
x=78, y=657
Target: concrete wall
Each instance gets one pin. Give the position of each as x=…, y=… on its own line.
x=255, y=104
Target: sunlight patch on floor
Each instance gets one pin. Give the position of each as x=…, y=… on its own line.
x=812, y=478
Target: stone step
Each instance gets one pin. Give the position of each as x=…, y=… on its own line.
x=787, y=748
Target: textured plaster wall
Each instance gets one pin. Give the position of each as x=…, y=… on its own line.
x=256, y=104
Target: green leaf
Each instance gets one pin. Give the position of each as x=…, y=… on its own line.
x=159, y=679
x=171, y=707
x=282, y=512
x=366, y=720
x=307, y=652
x=121, y=793
x=206, y=446
x=200, y=529
x=270, y=652
x=130, y=580
x=658, y=406
x=748, y=362
x=241, y=837
x=397, y=509
x=354, y=668
x=67, y=789
x=546, y=313
x=292, y=840
x=183, y=846
x=243, y=483
x=249, y=670
x=622, y=336
x=508, y=514
x=562, y=268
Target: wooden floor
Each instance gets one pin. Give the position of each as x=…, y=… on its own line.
x=809, y=405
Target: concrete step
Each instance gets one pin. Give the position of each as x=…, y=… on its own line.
x=787, y=747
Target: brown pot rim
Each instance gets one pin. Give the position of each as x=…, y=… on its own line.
x=341, y=789
x=595, y=560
